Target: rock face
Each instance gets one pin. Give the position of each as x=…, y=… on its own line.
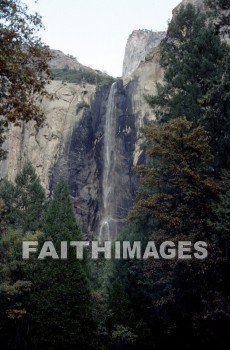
x=60, y=61
x=92, y=137
x=72, y=144
x=63, y=61
x=45, y=146
x=140, y=83
x=139, y=43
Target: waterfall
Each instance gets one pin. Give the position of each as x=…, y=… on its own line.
x=108, y=227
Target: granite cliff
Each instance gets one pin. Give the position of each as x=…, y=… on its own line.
x=71, y=144
x=139, y=43
x=92, y=136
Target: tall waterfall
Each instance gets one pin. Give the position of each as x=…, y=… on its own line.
x=108, y=226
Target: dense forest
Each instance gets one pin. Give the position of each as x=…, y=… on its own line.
x=183, y=195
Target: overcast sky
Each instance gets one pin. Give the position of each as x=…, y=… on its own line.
x=96, y=31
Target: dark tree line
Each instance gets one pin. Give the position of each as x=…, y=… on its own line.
x=43, y=303
x=183, y=195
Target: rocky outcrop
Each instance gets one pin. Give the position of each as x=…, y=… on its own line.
x=68, y=62
x=46, y=145
x=139, y=43
x=60, y=61
x=71, y=143
x=139, y=84
x=73, y=140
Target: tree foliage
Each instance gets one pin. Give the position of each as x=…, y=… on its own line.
x=183, y=194
x=61, y=307
x=15, y=289
x=24, y=200
x=79, y=76
x=221, y=209
x=175, y=301
x=23, y=65
x=23, y=62
x=178, y=188
x=196, y=78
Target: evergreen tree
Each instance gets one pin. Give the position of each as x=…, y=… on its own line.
x=15, y=290
x=196, y=78
x=178, y=187
x=176, y=198
x=25, y=199
x=61, y=305
x=185, y=302
x=221, y=209
x=219, y=13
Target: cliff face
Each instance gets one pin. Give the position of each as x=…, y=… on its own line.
x=46, y=145
x=139, y=43
x=72, y=144
x=140, y=83
x=92, y=137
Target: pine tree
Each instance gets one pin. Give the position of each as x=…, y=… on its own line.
x=15, y=289
x=220, y=222
x=196, y=79
x=177, y=195
x=61, y=302
x=25, y=199
x=178, y=187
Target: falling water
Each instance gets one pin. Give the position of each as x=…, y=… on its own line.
x=108, y=222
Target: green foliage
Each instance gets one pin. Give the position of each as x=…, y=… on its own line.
x=174, y=301
x=219, y=14
x=59, y=218
x=123, y=336
x=22, y=206
x=128, y=296
x=15, y=289
x=61, y=307
x=119, y=304
x=25, y=200
x=221, y=209
x=181, y=197
x=43, y=304
x=178, y=190
x=23, y=58
x=79, y=76
x=196, y=79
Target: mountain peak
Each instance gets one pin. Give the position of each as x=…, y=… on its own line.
x=139, y=44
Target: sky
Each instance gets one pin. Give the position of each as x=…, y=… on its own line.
x=96, y=31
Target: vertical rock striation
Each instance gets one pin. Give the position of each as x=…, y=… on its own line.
x=91, y=138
